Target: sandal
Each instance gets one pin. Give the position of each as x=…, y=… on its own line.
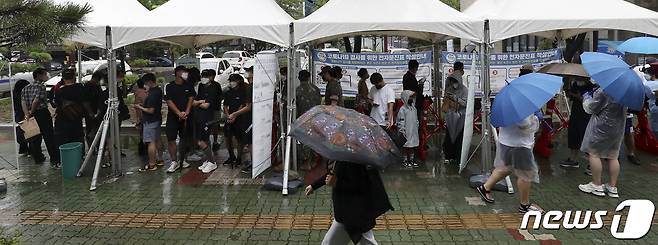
x=148, y=167
x=106, y=165
x=529, y=207
x=483, y=194
x=160, y=163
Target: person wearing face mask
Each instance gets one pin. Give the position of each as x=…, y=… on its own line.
x=308, y=96
x=179, y=96
x=382, y=98
x=333, y=88
x=407, y=124
x=217, y=112
x=151, y=108
x=409, y=82
x=34, y=103
x=578, y=120
x=233, y=100
x=205, y=103
x=139, y=93
x=243, y=118
x=97, y=101
x=455, y=96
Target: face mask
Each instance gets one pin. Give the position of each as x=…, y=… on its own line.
x=147, y=87
x=459, y=73
x=455, y=85
x=647, y=77
x=232, y=84
x=205, y=81
x=184, y=75
x=102, y=82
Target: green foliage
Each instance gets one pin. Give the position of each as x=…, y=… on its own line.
x=6, y=240
x=139, y=63
x=41, y=57
x=546, y=44
x=16, y=68
x=452, y=3
x=38, y=22
x=152, y=4
x=160, y=80
x=130, y=79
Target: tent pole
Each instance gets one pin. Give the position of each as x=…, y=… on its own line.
x=288, y=139
x=486, y=144
x=13, y=122
x=79, y=53
x=115, y=151
x=436, y=57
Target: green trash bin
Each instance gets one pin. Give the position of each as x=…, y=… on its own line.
x=71, y=156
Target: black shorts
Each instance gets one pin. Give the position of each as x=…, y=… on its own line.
x=202, y=132
x=176, y=128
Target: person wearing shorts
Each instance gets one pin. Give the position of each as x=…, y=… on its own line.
x=151, y=122
x=233, y=101
x=179, y=96
x=206, y=101
x=514, y=156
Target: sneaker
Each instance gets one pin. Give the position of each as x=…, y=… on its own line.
x=195, y=157
x=588, y=171
x=209, y=167
x=414, y=163
x=228, y=162
x=203, y=166
x=570, y=164
x=633, y=159
x=529, y=207
x=246, y=169
x=406, y=164
x=186, y=164
x=596, y=190
x=612, y=191
x=173, y=167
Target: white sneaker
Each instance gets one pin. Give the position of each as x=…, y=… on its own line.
x=173, y=167
x=593, y=189
x=186, y=164
x=203, y=166
x=612, y=191
x=209, y=167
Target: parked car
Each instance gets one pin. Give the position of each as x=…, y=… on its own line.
x=160, y=62
x=55, y=65
x=5, y=89
x=88, y=68
x=330, y=50
x=398, y=51
x=237, y=58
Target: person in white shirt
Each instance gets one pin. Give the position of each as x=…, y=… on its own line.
x=382, y=99
x=514, y=155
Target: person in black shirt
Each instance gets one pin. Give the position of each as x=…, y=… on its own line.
x=94, y=91
x=71, y=101
x=233, y=100
x=409, y=82
x=179, y=97
x=243, y=117
x=217, y=110
x=151, y=122
x=206, y=101
x=19, y=116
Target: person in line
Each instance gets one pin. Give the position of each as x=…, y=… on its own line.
x=383, y=101
x=244, y=118
x=308, y=96
x=151, y=118
x=409, y=82
x=19, y=115
x=233, y=99
x=94, y=91
x=653, y=103
x=578, y=120
x=194, y=154
x=407, y=124
x=71, y=101
x=514, y=155
x=362, y=104
x=34, y=101
x=179, y=96
x=334, y=88
x=602, y=141
x=629, y=138
x=206, y=101
x=358, y=197
x=139, y=92
x=217, y=113
x=455, y=96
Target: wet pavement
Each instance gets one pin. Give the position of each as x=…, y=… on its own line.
x=433, y=205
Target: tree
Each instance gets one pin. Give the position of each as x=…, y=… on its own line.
x=38, y=22
x=152, y=4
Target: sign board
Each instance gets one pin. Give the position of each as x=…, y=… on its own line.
x=265, y=71
x=189, y=62
x=505, y=67
x=391, y=66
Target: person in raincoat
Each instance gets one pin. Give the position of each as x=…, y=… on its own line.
x=578, y=120
x=603, y=138
x=456, y=94
x=407, y=124
x=652, y=83
x=358, y=198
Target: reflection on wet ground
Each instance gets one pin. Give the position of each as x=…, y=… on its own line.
x=433, y=204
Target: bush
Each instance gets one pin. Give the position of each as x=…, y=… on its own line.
x=139, y=63
x=41, y=57
x=9, y=240
x=130, y=79
x=16, y=68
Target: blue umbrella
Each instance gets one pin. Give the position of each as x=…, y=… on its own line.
x=616, y=78
x=522, y=97
x=640, y=45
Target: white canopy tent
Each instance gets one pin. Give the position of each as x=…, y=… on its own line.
x=194, y=23
x=561, y=18
x=422, y=19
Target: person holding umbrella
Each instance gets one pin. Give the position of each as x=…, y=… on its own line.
x=578, y=120
x=358, y=147
x=620, y=88
x=512, y=112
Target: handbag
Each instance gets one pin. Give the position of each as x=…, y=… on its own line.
x=72, y=110
x=30, y=128
x=398, y=138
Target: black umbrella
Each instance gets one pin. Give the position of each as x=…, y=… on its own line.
x=345, y=135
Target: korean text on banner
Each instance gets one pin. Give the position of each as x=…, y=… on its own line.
x=505, y=67
x=265, y=71
x=391, y=66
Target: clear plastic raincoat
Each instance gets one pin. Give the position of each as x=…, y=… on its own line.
x=605, y=130
x=407, y=121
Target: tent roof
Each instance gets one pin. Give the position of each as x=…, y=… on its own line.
x=565, y=18
x=422, y=19
x=193, y=23
x=113, y=13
